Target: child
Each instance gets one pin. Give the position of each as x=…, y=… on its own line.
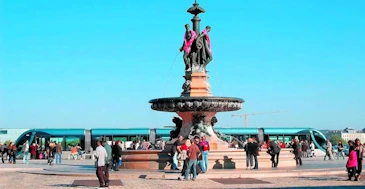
x=352, y=161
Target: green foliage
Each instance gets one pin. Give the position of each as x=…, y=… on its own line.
x=335, y=138
x=7, y=142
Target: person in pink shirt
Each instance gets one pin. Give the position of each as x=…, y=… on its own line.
x=205, y=148
x=352, y=161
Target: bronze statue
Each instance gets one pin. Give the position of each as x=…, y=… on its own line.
x=189, y=38
x=196, y=46
x=178, y=124
x=205, y=50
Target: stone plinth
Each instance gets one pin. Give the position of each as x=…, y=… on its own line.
x=196, y=85
x=199, y=84
x=218, y=159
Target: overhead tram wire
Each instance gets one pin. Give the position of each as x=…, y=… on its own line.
x=168, y=76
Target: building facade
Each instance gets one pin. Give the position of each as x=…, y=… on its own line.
x=10, y=134
x=352, y=134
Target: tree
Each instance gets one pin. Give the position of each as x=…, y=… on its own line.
x=335, y=138
x=7, y=142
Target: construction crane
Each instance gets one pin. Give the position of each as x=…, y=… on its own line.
x=246, y=115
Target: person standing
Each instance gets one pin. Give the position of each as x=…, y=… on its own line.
x=328, y=151
x=58, y=155
x=101, y=156
x=108, y=161
x=352, y=161
x=297, y=152
x=117, y=153
x=25, y=152
x=13, y=153
x=312, y=148
x=255, y=152
x=204, y=145
x=340, y=148
x=249, y=153
x=193, y=155
x=4, y=150
x=304, y=149
x=359, y=149
x=175, y=150
x=33, y=151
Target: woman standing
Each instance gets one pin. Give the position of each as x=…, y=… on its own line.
x=352, y=161
x=359, y=148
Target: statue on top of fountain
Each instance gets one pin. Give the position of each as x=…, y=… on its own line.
x=197, y=50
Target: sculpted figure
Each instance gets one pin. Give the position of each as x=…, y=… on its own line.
x=189, y=38
x=204, y=47
x=178, y=123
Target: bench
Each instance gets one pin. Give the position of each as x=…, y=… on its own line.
x=87, y=155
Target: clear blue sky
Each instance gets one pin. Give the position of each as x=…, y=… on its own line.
x=92, y=64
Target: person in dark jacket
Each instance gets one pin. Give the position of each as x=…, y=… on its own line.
x=297, y=152
x=359, y=148
x=4, y=150
x=51, y=153
x=249, y=148
x=117, y=153
x=274, y=151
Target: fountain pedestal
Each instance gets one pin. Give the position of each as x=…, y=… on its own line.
x=188, y=121
x=196, y=84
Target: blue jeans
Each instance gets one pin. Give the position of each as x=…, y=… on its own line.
x=188, y=169
x=174, y=161
x=58, y=158
x=25, y=157
x=204, y=161
x=256, y=162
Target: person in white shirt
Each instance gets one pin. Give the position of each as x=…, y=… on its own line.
x=26, y=152
x=101, y=156
x=312, y=148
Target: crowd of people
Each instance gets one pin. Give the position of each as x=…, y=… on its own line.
x=193, y=153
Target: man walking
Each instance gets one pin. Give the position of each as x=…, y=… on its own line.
x=340, y=148
x=204, y=145
x=25, y=152
x=328, y=151
x=101, y=156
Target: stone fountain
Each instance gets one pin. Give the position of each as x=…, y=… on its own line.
x=197, y=106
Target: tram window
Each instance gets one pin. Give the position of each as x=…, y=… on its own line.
x=70, y=141
x=120, y=138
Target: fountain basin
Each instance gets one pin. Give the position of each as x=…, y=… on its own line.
x=196, y=104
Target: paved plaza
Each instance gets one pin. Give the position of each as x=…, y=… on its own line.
x=38, y=175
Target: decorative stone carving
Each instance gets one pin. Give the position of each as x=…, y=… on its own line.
x=178, y=124
x=207, y=104
x=213, y=121
x=199, y=127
